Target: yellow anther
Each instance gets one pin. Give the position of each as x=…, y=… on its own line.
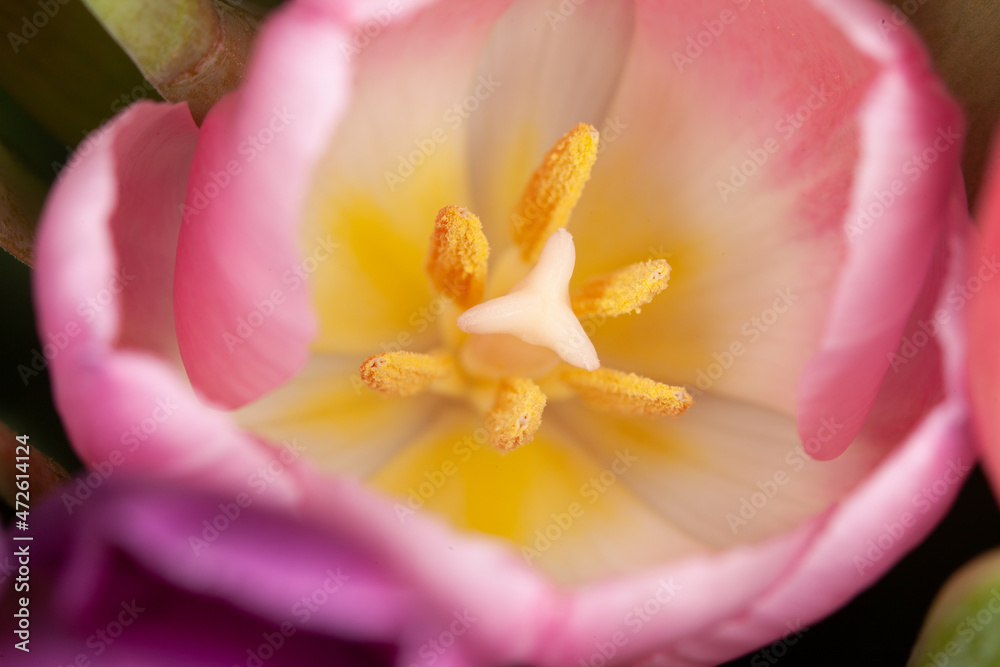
x=458, y=256
x=623, y=291
x=627, y=393
x=553, y=190
x=405, y=373
x=516, y=415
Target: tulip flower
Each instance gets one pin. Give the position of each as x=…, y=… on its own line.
x=394, y=281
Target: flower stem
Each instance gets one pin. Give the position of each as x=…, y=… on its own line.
x=190, y=50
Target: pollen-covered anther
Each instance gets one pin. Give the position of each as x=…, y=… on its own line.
x=458, y=256
x=554, y=189
x=405, y=373
x=627, y=393
x=623, y=291
x=516, y=415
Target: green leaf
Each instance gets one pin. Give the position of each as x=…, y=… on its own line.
x=962, y=628
x=62, y=71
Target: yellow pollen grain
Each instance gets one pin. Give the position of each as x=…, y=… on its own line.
x=404, y=373
x=516, y=415
x=458, y=255
x=627, y=393
x=623, y=291
x=553, y=190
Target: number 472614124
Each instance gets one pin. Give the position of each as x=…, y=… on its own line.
x=22, y=453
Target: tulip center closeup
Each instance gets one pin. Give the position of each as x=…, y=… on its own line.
x=527, y=342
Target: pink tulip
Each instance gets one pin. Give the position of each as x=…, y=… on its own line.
x=209, y=295
x=984, y=311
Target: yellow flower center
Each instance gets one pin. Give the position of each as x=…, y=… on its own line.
x=507, y=354
x=533, y=331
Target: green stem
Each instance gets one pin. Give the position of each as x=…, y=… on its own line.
x=190, y=50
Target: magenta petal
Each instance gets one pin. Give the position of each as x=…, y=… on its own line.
x=102, y=288
x=241, y=329
x=203, y=579
x=895, y=217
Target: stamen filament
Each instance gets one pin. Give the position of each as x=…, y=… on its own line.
x=627, y=393
x=405, y=373
x=623, y=291
x=516, y=415
x=553, y=190
x=458, y=256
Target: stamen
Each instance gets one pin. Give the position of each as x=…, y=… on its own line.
x=516, y=415
x=537, y=308
x=554, y=190
x=623, y=291
x=458, y=256
x=405, y=373
x=627, y=393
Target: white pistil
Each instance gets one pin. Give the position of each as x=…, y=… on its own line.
x=537, y=309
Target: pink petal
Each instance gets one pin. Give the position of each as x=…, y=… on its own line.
x=386, y=174
x=861, y=541
x=104, y=268
x=241, y=329
x=754, y=264
x=507, y=603
x=984, y=324
x=906, y=113
x=557, y=64
x=721, y=605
